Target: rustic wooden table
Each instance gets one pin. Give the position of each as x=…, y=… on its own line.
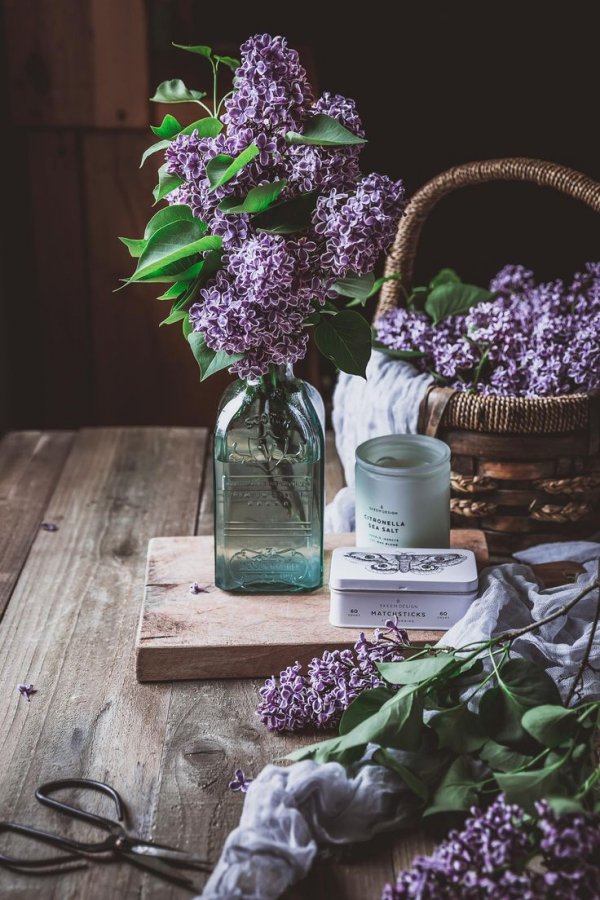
x=69, y=602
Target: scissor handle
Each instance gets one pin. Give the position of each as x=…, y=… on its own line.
x=114, y=828
x=49, y=863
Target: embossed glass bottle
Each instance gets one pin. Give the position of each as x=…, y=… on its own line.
x=268, y=469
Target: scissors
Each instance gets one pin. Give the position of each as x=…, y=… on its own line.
x=158, y=859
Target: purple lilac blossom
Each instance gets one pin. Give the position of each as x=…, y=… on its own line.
x=358, y=227
x=271, y=88
x=537, y=340
x=313, y=167
x=488, y=859
x=240, y=782
x=26, y=691
x=296, y=701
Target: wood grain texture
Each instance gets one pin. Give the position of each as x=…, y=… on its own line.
x=163, y=386
x=69, y=630
x=77, y=62
x=64, y=376
x=30, y=463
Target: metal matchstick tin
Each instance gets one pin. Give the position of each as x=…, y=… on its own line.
x=421, y=588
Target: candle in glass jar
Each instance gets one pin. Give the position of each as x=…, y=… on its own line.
x=403, y=492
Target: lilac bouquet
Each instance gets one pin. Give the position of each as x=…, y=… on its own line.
x=519, y=338
x=269, y=220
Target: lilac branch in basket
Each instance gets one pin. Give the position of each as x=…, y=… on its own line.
x=522, y=339
x=298, y=701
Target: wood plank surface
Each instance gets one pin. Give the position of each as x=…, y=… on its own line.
x=69, y=630
x=169, y=748
x=30, y=463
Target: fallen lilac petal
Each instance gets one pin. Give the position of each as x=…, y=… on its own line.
x=26, y=690
x=240, y=782
x=195, y=588
x=49, y=526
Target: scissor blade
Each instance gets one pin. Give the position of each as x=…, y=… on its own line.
x=170, y=855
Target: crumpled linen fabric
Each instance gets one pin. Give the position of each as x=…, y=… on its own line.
x=386, y=403
x=290, y=813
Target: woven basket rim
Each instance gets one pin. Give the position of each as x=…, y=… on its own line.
x=491, y=399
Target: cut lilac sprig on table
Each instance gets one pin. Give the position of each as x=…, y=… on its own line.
x=240, y=782
x=490, y=858
x=26, y=691
x=301, y=701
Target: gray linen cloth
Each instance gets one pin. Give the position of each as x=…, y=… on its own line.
x=290, y=813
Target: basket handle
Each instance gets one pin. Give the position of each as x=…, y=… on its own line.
x=401, y=258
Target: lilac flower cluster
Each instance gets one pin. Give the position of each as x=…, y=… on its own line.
x=317, y=699
x=529, y=340
x=269, y=284
x=489, y=858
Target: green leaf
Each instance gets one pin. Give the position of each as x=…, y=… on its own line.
x=449, y=299
x=501, y=758
x=171, y=244
x=397, y=354
x=174, y=291
x=382, y=758
x=177, y=271
x=166, y=183
x=562, y=806
x=206, y=127
x=176, y=315
x=444, y=276
x=210, y=361
x=457, y=791
x=229, y=61
x=256, y=200
x=411, y=671
x=523, y=685
x=377, y=284
x=175, y=91
x=154, y=148
x=417, y=298
x=398, y=724
x=357, y=286
x=459, y=729
x=525, y=788
x=550, y=725
x=362, y=707
x=310, y=751
x=325, y=131
x=178, y=212
x=186, y=327
x=200, y=49
x=222, y=168
x=346, y=340
x=287, y=217
x=134, y=246
x=168, y=128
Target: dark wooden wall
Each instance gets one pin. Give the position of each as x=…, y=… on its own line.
x=437, y=84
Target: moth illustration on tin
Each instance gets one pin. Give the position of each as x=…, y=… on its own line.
x=405, y=562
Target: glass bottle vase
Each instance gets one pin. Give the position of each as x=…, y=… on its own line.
x=269, y=481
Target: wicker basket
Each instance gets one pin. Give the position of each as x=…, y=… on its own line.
x=524, y=469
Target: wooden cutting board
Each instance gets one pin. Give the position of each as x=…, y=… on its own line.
x=218, y=635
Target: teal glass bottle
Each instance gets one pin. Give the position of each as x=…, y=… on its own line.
x=269, y=482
